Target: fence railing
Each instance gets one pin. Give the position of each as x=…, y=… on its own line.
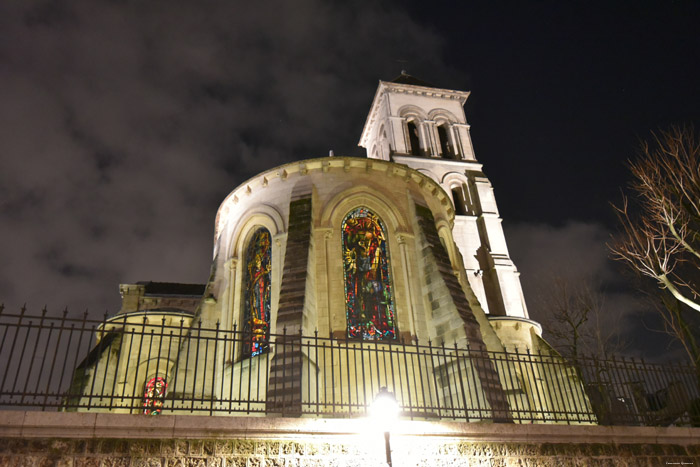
x=135, y=364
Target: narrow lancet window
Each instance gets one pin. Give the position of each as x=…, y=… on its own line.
x=154, y=395
x=257, y=291
x=369, y=303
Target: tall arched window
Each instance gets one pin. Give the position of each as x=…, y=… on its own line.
x=369, y=302
x=413, y=138
x=256, y=312
x=445, y=145
x=153, y=395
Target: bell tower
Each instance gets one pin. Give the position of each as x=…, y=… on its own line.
x=414, y=123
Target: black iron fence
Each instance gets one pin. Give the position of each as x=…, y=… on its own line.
x=169, y=363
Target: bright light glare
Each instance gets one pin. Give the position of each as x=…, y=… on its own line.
x=385, y=408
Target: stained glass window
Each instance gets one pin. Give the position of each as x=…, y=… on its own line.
x=154, y=395
x=256, y=315
x=369, y=302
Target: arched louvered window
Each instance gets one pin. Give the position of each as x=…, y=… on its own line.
x=369, y=302
x=257, y=293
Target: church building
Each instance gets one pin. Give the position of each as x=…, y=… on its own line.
x=337, y=276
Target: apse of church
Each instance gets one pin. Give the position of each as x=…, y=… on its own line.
x=327, y=270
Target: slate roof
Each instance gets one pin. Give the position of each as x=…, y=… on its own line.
x=173, y=288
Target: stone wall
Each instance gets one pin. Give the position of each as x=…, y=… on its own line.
x=34, y=438
x=325, y=452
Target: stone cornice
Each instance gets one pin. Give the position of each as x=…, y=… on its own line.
x=28, y=425
x=425, y=91
x=469, y=166
x=305, y=167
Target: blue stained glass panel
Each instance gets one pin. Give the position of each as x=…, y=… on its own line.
x=256, y=315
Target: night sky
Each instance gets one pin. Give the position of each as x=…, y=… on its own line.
x=123, y=125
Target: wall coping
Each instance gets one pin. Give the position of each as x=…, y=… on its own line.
x=29, y=424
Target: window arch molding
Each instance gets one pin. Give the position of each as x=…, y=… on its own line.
x=342, y=203
x=453, y=179
x=234, y=273
x=441, y=116
x=411, y=111
x=264, y=216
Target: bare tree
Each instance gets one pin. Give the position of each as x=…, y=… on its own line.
x=662, y=239
x=574, y=322
x=660, y=235
x=679, y=325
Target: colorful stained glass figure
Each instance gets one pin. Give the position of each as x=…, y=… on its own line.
x=256, y=315
x=154, y=395
x=369, y=303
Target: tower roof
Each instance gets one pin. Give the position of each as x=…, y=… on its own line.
x=405, y=78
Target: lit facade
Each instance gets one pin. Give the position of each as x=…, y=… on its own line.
x=400, y=248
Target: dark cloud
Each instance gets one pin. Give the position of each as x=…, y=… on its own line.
x=124, y=124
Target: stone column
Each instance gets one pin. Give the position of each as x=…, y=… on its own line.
x=430, y=138
x=463, y=141
x=399, y=136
